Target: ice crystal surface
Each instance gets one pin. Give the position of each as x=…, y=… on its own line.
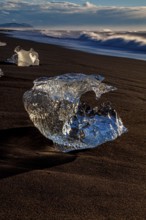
x=55, y=107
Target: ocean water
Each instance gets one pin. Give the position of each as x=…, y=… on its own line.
x=119, y=44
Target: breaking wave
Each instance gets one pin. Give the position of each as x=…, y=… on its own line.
x=125, y=40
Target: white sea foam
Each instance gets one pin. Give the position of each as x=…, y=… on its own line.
x=126, y=40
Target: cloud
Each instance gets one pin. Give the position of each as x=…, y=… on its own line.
x=62, y=7
x=44, y=13
x=89, y=5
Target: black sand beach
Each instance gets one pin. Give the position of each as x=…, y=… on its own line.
x=36, y=182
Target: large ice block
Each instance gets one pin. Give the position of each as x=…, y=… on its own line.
x=55, y=107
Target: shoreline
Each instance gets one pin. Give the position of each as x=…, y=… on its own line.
x=99, y=50
x=37, y=182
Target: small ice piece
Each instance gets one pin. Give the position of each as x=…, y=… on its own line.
x=24, y=57
x=1, y=73
x=55, y=107
x=2, y=44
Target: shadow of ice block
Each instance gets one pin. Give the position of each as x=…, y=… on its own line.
x=54, y=105
x=25, y=58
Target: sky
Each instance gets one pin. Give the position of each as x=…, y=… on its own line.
x=76, y=14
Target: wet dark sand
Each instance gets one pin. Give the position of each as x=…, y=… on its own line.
x=108, y=182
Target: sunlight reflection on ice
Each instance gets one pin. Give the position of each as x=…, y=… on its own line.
x=54, y=106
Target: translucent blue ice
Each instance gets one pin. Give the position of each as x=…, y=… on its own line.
x=54, y=106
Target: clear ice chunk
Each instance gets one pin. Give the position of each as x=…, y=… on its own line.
x=25, y=58
x=54, y=105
